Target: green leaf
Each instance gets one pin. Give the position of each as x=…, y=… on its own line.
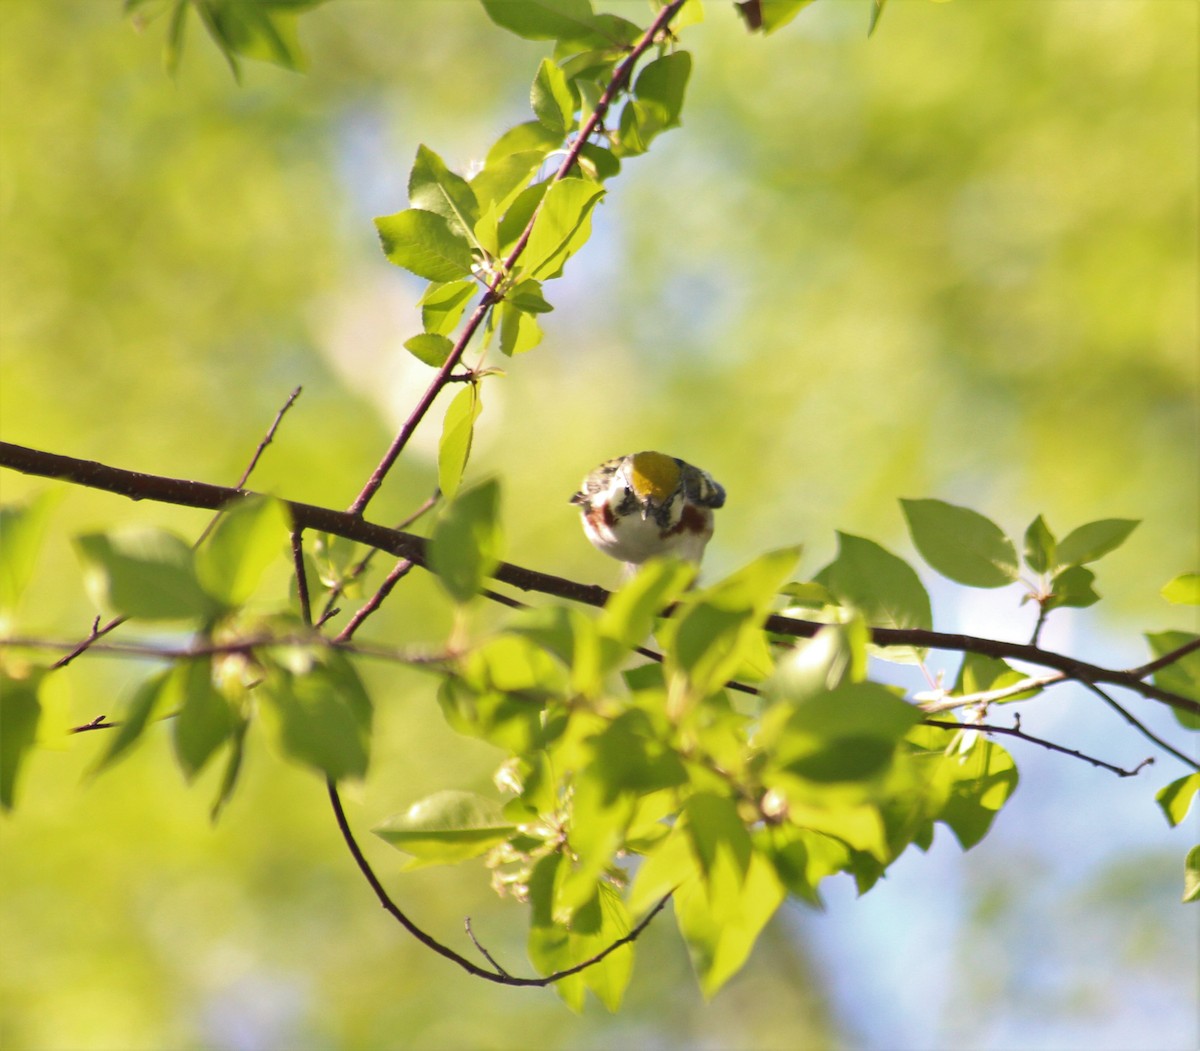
x=1184, y=590
x=423, y=243
x=466, y=541
x=458, y=429
x=630, y=613
x=1176, y=798
x=432, y=187
x=562, y=226
x=1191, y=875
x=552, y=99
x=708, y=639
x=527, y=296
x=430, y=348
x=143, y=573
x=961, y=544
x=719, y=842
x=1073, y=587
x=979, y=782
x=721, y=931
x=1181, y=676
x=519, y=330
x=882, y=586
x=1094, y=540
x=446, y=828
x=978, y=674
x=250, y=535
x=20, y=712
x=442, y=307
x=320, y=713
x=876, y=11
x=1041, y=549
x=661, y=85
x=836, y=654
x=203, y=718
x=770, y=15
x=540, y=19
x=21, y=530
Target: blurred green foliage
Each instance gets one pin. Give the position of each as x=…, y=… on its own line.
x=959, y=260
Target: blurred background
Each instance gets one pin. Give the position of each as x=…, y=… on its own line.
x=957, y=260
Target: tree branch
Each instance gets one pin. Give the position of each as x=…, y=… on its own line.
x=184, y=493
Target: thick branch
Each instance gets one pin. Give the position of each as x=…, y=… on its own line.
x=184, y=493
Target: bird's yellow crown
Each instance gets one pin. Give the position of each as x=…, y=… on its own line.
x=653, y=476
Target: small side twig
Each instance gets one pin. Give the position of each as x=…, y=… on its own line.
x=301, y=576
x=99, y=723
x=487, y=955
x=1141, y=728
x=1166, y=659
x=1016, y=731
x=399, y=571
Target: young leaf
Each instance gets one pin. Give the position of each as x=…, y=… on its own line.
x=1040, y=546
x=20, y=711
x=1181, y=676
x=423, y=243
x=203, y=718
x=446, y=828
x=1073, y=587
x=661, y=85
x=147, y=704
x=978, y=674
x=880, y=585
x=961, y=544
x=434, y=188
x=979, y=782
x=249, y=536
x=442, y=306
x=519, y=330
x=430, y=348
x=458, y=428
x=551, y=97
x=1184, y=590
x=320, y=715
x=144, y=573
x=466, y=541
x=540, y=19
x=1175, y=799
x=21, y=532
x=1191, y=875
x=561, y=227
x=1094, y=540
x=628, y=616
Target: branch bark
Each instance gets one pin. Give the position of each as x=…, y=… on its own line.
x=185, y=493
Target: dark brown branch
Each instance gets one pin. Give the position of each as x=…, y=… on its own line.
x=493, y=293
x=301, y=576
x=138, y=486
x=399, y=571
x=499, y=975
x=1166, y=659
x=1016, y=731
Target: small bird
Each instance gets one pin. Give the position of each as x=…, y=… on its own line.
x=645, y=504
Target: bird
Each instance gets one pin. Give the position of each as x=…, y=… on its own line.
x=646, y=504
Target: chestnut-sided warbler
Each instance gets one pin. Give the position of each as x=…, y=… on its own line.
x=646, y=504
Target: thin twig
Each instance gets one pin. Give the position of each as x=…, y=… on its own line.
x=1016, y=731
x=1145, y=731
x=1166, y=659
x=948, y=703
x=499, y=976
x=360, y=567
x=262, y=446
x=99, y=723
x=478, y=945
x=399, y=571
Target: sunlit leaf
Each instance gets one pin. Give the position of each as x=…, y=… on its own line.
x=1176, y=798
x=466, y=540
x=21, y=530
x=429, y=347
x=1041, y=548
x=551, y=98
x=142, y=572
x=424, y=243
x=20, y=711
x=1181, y=676
x=249, y=536
x=1184, y=590
x=147, y=704
x=561, y=225
x=1094, y=540
x=1191, y=875
x=446, y=827
x=458, y=431
x=203, y=717
x=540, y=19
x=442, y=306
x=434, y=188
x=961, y=544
